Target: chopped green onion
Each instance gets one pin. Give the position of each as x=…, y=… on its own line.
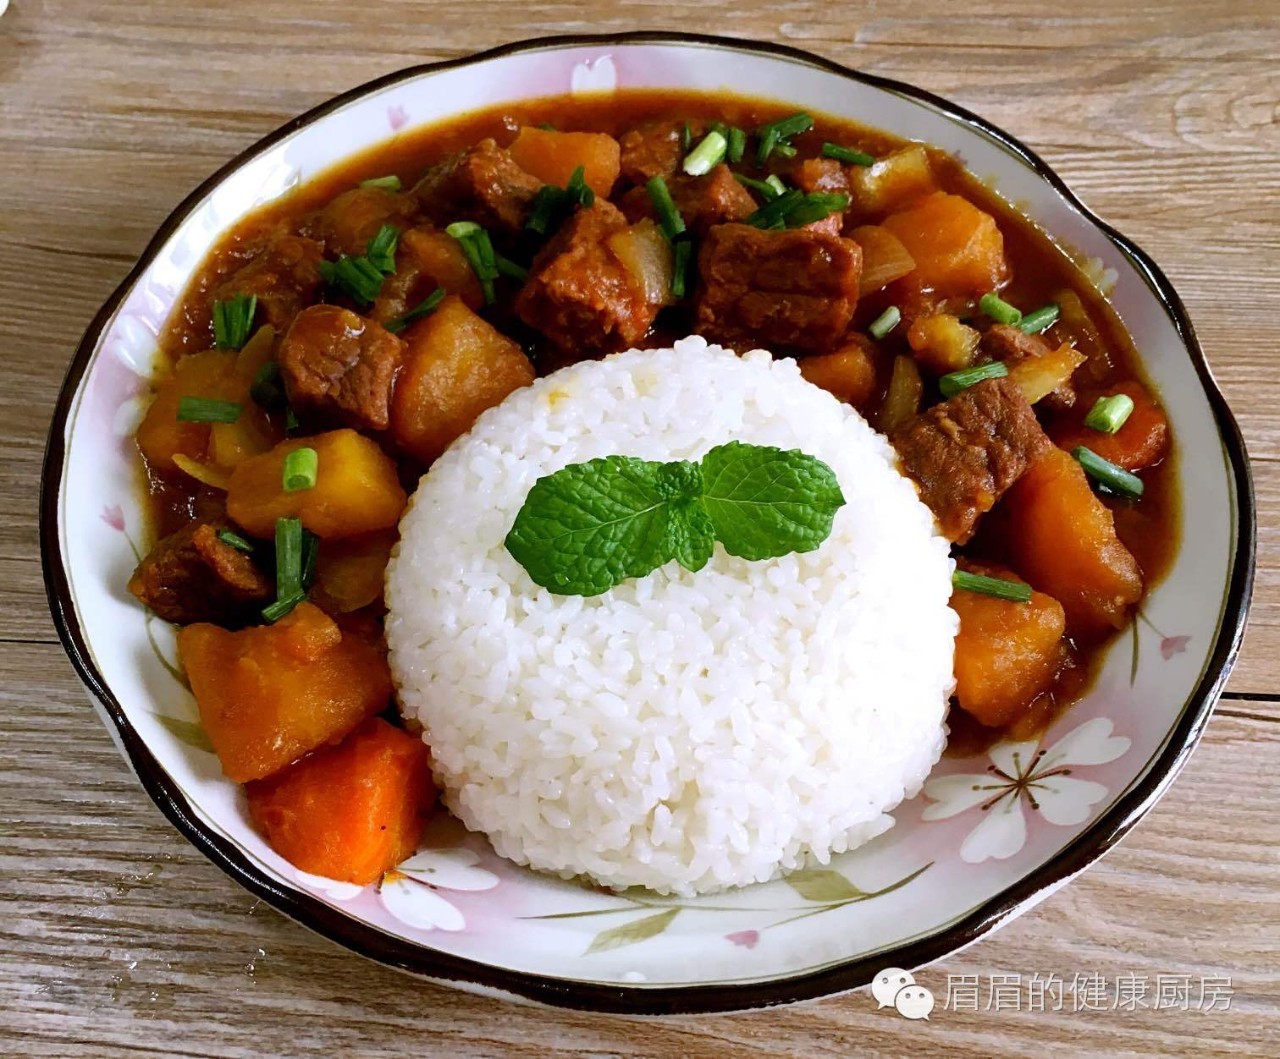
x=669, y=219
x=281, y=607
x=785, y=150
x=546, y=126
x=233, y=320
x=1109, y=414
x=794, y=209
x=952, y=384
x=737, y=144
x=885, y=322
x=464, y=229
x=1040, y=319
x=267, y=390
x=551, y=205
x=235, y=540
x=1107, y=474
x=774, y=212
x=426, y=307
x=776, y=133
x=774, y=181
x=686, y=137
x=382, y=249
x=386, y=183
x=310, y=552
x=357, y=277
x=848, y=155
x=760, y=187
x=707, y=155
x=1015, y=591
x=300, y=468
x=998, y=309
x=288, y=557
x=478, y=251
x=207, y=410
x=508, y=268
x=290, y=420
x=680, y=271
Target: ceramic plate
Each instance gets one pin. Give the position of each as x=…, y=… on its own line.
x=989, y=836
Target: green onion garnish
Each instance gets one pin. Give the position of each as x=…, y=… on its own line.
x=885, y=322
x=707, y=155
x=849, y=155
x=669, y=219
x=357, y=277
x=794, y=209
x=998, y=309
x=679, y=273
x=233, y=320
x=281, y=607
x=546, y=126
x=774, y=212
x=551, y=204
x=290, y=420
x=478, y=250
x=785, y=150
x=760, y=187
x=288, y=558
x=310, y=552
x=1040, y=319
x=508, y=268
x=382, y=249
x=426, y=307
x=1107, y=474
x=737, y=144
x=1108, y=414
x=387, y=183
x=686, y=137
x=1014, y=591
x=953, y=383
x=300, y=467
x=235, y=540
x=207, y=410
x=267, y=390
x=774, y=181
x=777, y=133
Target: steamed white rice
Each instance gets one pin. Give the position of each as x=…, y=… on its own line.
x=683, y=732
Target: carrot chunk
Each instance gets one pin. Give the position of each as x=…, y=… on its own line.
x=1063, y=539
x=269, y=694
x=553, y=156
x=957, y=248
x=356, y=490
x=1007, y=653
x=351, y=811
x=1142, y=442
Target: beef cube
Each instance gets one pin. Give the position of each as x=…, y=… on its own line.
x=347, y=223
x=794, y=288
x=193, y=576
x=704, y=201
x=654, y=148
x=1012, y=346
x=579, y=294
x=284, y=275
x=340, y=367
x=482, y=184
x=965, y=452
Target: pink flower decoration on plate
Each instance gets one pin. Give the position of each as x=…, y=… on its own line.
x=746, y=938
x=113, y=516
x=397, y=117
x=1173, y=645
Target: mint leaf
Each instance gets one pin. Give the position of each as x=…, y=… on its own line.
x=765, y=502
x=587, y=527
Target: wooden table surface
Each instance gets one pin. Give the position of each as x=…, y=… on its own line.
x=118, y=938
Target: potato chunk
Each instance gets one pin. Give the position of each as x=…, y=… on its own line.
x=356, y=491
x=161, y=435
x=957, y=248
x=456, y=366
x=849, y=373
x=269, y=694
x=1007, y=653
x=349, y=812
x=1064, y=539
x=552, y=157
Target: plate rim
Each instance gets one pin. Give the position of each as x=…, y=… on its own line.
x=373, y=943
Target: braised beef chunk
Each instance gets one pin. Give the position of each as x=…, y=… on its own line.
x=1013, y=345
x=654, y=148
x=965, y=452
x=193, y=576
x=347, y=223
x=481, y=184
x=702, y=201
x=579, y=294
x=284, y=275
x=340, y=367
x=761, y=287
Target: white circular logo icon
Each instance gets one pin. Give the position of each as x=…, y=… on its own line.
x=913, y=1002
x=886, y=983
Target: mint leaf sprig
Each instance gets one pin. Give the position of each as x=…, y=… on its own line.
x=592, y=525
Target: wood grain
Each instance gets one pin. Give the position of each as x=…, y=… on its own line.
x=120, y=939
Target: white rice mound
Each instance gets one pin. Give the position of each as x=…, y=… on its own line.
x=683, y=732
